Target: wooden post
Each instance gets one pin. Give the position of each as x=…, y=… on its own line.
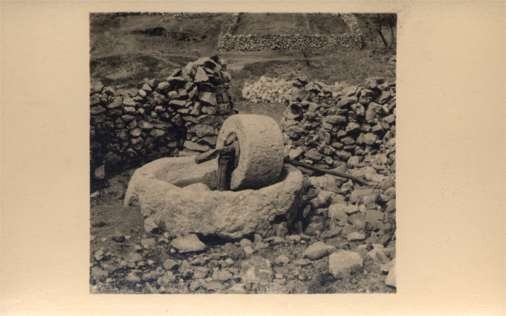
x=226, y=162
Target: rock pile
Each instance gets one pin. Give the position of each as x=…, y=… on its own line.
x=159, y=117
x=269, y=90
x=350, y=127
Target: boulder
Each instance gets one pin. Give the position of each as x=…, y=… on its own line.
x=97, y=86
x=337, y=212
x=372, y=111
x=281, y=260
x=378, y=254
x=136, y=132
x=318, y=250
x=256, y=270
x=157, y=132
x=326, y=182
x=202, y=130
x=208, y=98
x=364, y=195
x=166, y=279
x=127, y=101
x=355, y=236
x=295, y=153
x=188, y=243
x=163, y=86
x=322, y=199
x=222, y=275
x=97, y=110
x=313, y=154
x=168, y=201
x=170, y=264
x=201, y=76
x=344, y=262
x=116, y=102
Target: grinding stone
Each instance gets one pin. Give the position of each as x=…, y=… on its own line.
x=261, y=150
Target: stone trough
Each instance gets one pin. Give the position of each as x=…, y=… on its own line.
x=178, y=196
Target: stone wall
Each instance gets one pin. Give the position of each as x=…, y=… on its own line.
x=230, y=41
x=332, y=125
x=159, y=117
x=345, y=128
x=296, y=42
x=348, y=127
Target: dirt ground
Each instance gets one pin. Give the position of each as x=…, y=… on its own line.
x=121, y=249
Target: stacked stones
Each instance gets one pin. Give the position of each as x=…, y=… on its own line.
x=329, y=128
x=255, y=42
x=129, y=126
x=230, y=41
x=349, y=229
x=351, y=130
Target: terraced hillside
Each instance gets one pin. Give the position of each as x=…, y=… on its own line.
x=283, y=23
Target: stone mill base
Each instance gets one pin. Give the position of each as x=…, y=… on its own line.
x=177, y=196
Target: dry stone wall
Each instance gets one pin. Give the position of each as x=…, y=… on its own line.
x=290, y=42
x=230, y=41
x=159, y=117
x=345, y=127
x=334, y=126
x=349, y=129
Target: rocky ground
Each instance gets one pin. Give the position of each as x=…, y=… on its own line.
x=339, y=251
x=343, y=238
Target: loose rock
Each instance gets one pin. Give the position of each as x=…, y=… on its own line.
x=390, y=279
x=318, y=250
x=188, y=243
x=344, y=262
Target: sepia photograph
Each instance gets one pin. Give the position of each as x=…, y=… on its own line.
x=153, y=153
x=245, y=153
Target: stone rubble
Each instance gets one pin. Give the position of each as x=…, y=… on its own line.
x=211, y=269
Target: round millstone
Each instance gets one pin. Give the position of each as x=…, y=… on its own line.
x=261, y=150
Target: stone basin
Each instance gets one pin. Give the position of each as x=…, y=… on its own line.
x=177, y=196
